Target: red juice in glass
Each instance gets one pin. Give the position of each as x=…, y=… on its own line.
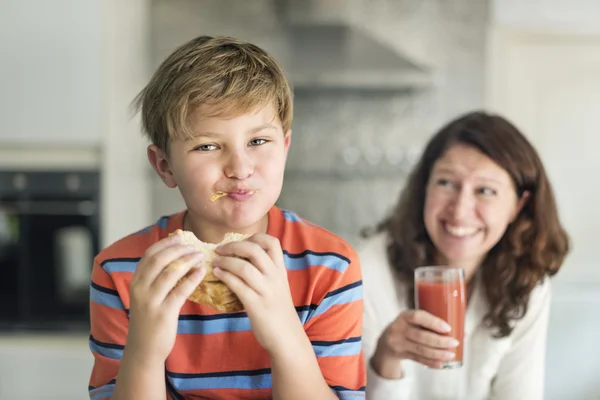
x=441, y=291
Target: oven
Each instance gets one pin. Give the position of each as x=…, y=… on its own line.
x=49, y=234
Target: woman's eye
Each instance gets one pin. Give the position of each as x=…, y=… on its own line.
x=206, y=147
x=257, y=142
x=443, y=182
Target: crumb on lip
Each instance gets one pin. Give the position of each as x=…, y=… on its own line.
x=217, y=196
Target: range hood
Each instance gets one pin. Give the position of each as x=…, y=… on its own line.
x=338, y=55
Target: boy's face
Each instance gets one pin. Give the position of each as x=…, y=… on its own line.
x=243, y=157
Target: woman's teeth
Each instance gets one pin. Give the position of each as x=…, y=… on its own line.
x=460, y=231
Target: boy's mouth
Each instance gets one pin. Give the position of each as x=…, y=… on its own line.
x=238, y=195
x=241, y=195
x=242, y=192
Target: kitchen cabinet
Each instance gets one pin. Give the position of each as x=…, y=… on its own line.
x=51, y=73
x=44, y=367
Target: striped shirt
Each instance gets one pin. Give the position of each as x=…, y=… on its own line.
x=215, y=354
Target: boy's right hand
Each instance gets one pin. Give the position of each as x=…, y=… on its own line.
x=156, y=300
x=416, y=335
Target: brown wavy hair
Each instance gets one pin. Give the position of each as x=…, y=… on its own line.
x=534, y=244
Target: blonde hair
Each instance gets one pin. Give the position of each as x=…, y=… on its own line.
x=231, y=76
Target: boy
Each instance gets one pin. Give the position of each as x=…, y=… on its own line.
x=218, y=113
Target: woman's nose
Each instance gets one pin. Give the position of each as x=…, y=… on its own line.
x=462, y=204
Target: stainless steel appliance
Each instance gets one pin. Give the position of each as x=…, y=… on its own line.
x=49, y=234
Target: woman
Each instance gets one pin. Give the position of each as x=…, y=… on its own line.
x=479, y=199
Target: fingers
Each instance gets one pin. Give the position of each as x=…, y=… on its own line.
x=151, y=266
x=250, y=251
x=400, y=342
x=430, y=353
x=162, y=244
x=426, y=320
x=237, y=286
x=242, y=270
x=413, y=336
x=177, y=297
x=430, y=339
x=271, y=245
x=426, y=361
x=403, y=348
x=170, y=275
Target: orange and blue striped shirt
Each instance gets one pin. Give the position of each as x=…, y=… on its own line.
x=215, y=354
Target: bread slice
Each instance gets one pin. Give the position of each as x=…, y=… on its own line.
x=212, y=291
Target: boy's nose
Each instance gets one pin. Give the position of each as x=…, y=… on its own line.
x=239, y=166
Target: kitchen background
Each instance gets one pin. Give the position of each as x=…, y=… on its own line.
x=373, y=80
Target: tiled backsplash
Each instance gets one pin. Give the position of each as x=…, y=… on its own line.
x=350, y=154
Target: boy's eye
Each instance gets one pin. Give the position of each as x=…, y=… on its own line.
x=206, y=147
x=257, y=142
x=486, y=191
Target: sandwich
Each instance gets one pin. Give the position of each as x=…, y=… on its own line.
x=212, y=291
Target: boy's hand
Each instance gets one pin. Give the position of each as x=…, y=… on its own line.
x=156, y=302
x=254, y=270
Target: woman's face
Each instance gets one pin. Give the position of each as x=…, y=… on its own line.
x=469, y=202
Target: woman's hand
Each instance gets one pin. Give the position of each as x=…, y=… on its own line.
x=414, y=335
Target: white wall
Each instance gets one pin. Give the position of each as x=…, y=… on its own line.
x=543, y=57
x=567, y=15
x=126, y=187
x=50, y=73
x=572, y=359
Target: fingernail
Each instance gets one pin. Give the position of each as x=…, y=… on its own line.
x=199, y=271
x=449, y=355
x=445, y=327
x=219, y=249
x=216, y=261
x=217, y=271
x=453, y=342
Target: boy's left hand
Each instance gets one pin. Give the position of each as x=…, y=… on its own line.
x=255, y=271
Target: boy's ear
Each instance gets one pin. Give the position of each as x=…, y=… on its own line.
x=160, y=163
x=287, y=140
